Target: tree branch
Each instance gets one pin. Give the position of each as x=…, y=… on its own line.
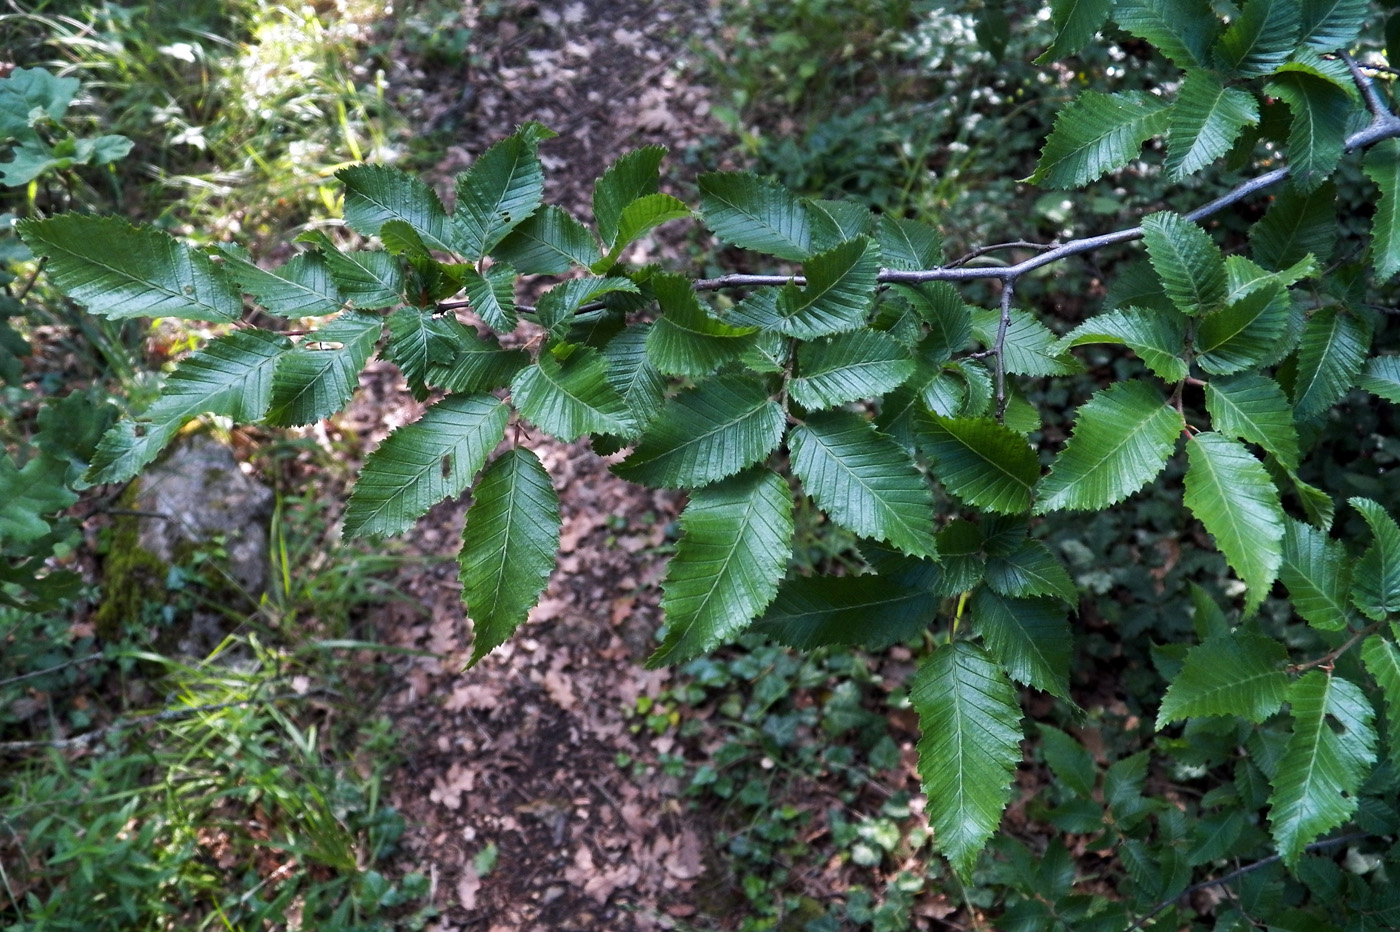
x=1368, y=88
x=54, y=669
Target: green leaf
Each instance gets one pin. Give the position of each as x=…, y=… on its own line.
x=705, y=434
x=1205, y=122
x=503, y=187
x=630, y=371
x=477, y=364
x=848, y=367
x=1098, y=133
x=422, y=463
x=316, y=378
x=1030, y=570
x=1030, y=347
x=376, y=194
x=509, y=546
x=639, y=218
x=982, y=463
x=908, y=244
x=948, y=317
x=1260, y=39
x=1298, y=223
x=572, y=398
x=1248, y=332
x=970, y=748
x=1328, y=25
x=1230, y=492
x=837, y=222
x=492, y=295
x=232, y=376
x=1075, y=21
x=1382, y=661
x=753, y=213
x=1182, y=30
x=302, y=287
x=1253, y=408
x=367, y=280
x=1327, y=756
x=418, y=341
x=118, y=270
x=549, y=243
x=869, y=611
x=1233, y=674
x=1330, y=355
x=1029, y=637
x=1382, y=166
x=735, y=540
x=685, y=340
x=1375, y=587
x=1158, y=337
x=839, y=292
x=1245, y=277
x=1321, y=112
x=634, y=175
x=1121, y=440
x=1317, y=572
x=557, y=306
x=864, y=480
x=1382, y=377
x=27, y=494
x=1191, y=266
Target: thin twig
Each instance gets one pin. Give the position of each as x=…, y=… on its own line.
x=1008, y=291
x=54, y=669
x=1330, y=657
x=1236, y=875
x=980, y=251
x=1374, y=103
x=33, y=278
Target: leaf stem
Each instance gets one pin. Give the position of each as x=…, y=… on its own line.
x=1327, y=659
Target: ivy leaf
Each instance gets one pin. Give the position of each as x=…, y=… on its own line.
x=1317, y=573
x=1030, y=570
x=1383, y=662
x=1029, y=637
x=908, y=244
x=970, y=748
x=1248, y=332
x=1205, y=122
x=492, y=295
x=119, y=271
x=1233, y=674
x=550, y=242
x=1375, y=587
x=839, y=292
x=1191, y=266
x=301, y=287
x=868, y=611
x=1328, y=755
x=1098, y=133
x=1158, y=337
x=1382, y=166
x=1182, y=30
x=1075, y=21
x=503, y=187
x=1030, y=347
x=705, y=434
x=1382, y=377
x=231, y=376
x=735, y=540
x=317, y=377
x=1121, y=440
x=1230, y=492
x=848, y=367
x=685, y=340
x=572, y=398
x=509, y=546
x=981, y=462
x=376, y=194
x=422, y=463
x=634, y=175
x=1330, y=355
x=1254, y=408
x=753, y=213
x=1321, y=111
x=1260, y=39
x=864, y=480
x=1298, y=223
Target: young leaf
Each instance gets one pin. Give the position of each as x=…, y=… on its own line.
x=1233, y=674
x=1205, y=122
x=1375, y=587
x=632, y=176
x=705, y=434
x=864, y=480
x=301, y=287
x=1076, y=21
x=970, y=748
x=908, y=244
x=982, y=463
x=1098, y=133
x=1158, y=337
x=1030, y=638
x=1121, y=440
x=1317, y=572
x=685, y=340
x=735, y=540
x=1030, y=570
x=572, y=398
x=1382, y=166
x=1182, y=30
x=848, y=367
x=492, y=295
x=752, y=213
x=503, y=187
x=839, y=292
x=118, y=270
x=1253, y=408
x=1230, y=492
x=317, y=377
x=376, y=194
x=1382, y=377
x=1330, y=355
x=549, y=243
x=868, y=611
x=1329, y=753
x=1191, y=266
x=509, y=546
x=1260, y=39
x=1321, y=111
x=422, y=463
